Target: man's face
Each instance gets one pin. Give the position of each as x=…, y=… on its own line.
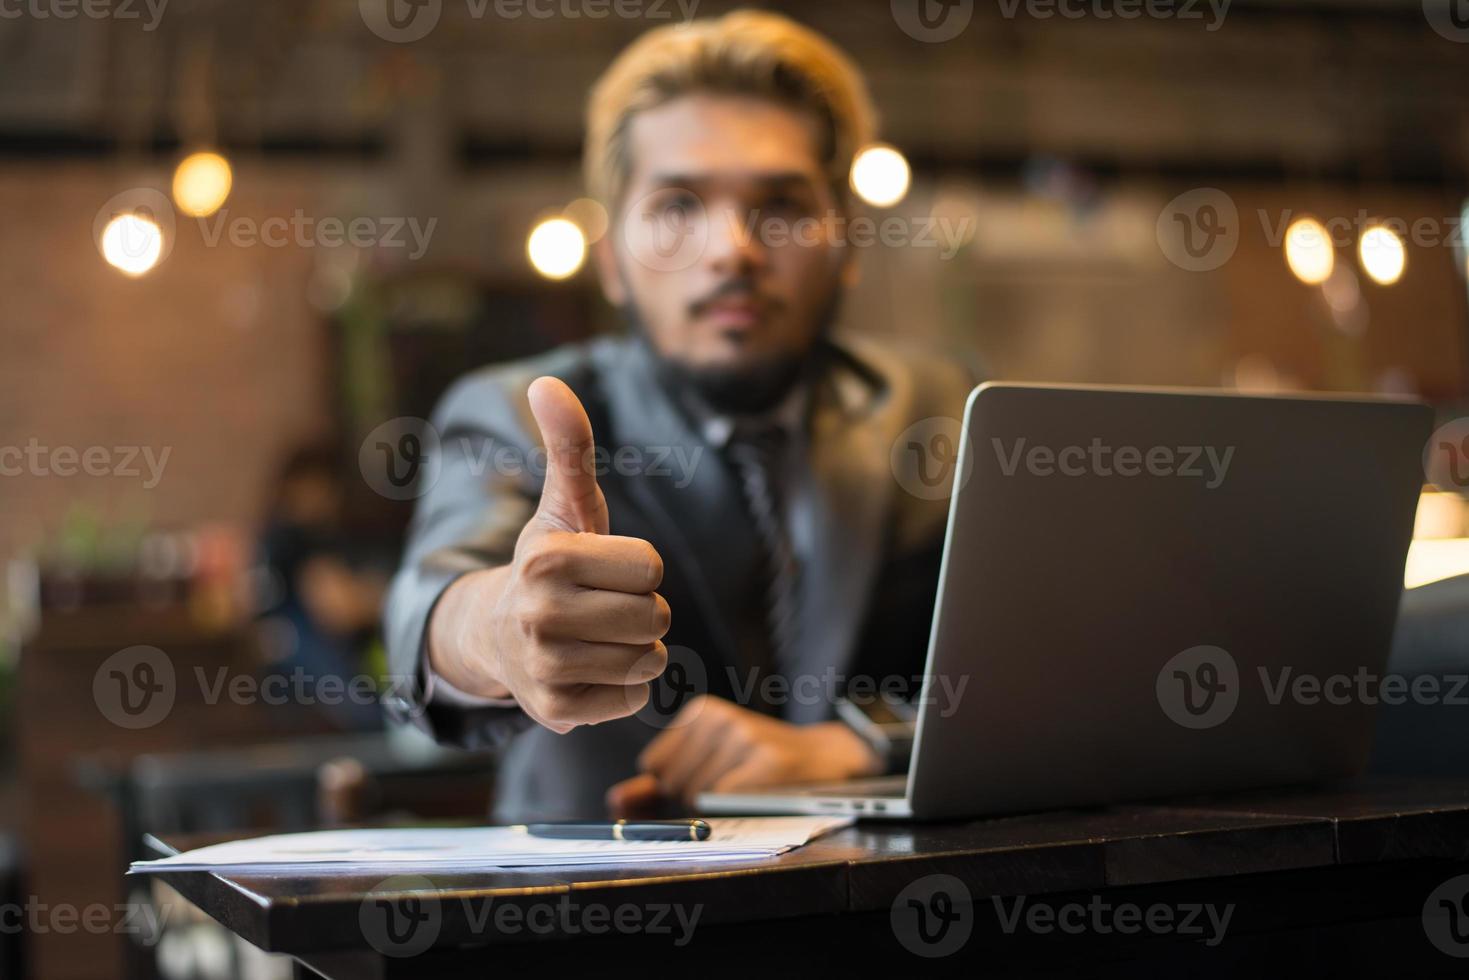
x=722, y=242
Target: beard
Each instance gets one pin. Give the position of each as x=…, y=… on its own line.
x=752, y=388
x=749, y=389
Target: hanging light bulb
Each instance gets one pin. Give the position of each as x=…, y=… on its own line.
x=881, y=175
x=1308, y=251
x=201, y=184
x=557, y=248
x=1382, y=254
x=132, y=243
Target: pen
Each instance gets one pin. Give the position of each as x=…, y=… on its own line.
x=623, y=830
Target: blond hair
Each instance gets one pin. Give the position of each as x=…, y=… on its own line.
x=742, y=53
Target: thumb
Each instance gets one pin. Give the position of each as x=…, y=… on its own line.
x=571, y=499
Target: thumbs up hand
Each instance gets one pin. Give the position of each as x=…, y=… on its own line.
x=570, y=499
x=572, y=628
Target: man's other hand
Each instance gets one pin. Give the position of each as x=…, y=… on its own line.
x=572, y=628
x=716, y=745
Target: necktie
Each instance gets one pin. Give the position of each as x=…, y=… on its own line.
x=758, y=454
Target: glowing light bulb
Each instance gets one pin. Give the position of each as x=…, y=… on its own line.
x=881, y=175
x=201, y=184
x=132, y=243
x=1308, y=251
x=556, y=248
x=1383, y=255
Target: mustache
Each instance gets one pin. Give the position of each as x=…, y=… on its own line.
x=739, y=288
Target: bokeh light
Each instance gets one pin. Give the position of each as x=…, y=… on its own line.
x=589, y=216
x=557, y=248
x=132, y=243
x=1308, y=251
x=201, y=184
x=881, y=176
x=1383, y=255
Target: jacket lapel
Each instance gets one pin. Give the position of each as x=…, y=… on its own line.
x=705, y=519
x=850, y=490
x=698, y=510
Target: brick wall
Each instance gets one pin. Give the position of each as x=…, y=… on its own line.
x=215, y=356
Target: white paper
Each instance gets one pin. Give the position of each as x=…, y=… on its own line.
x=446, y=849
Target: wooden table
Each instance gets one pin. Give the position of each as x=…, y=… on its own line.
x=1308, y=881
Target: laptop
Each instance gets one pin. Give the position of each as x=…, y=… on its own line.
x=1148, y=593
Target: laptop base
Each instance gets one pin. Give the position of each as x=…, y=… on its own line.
x=884, y=797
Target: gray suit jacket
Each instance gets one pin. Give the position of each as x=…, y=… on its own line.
x=868, y=581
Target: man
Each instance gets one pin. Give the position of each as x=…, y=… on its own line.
x=718, y=497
